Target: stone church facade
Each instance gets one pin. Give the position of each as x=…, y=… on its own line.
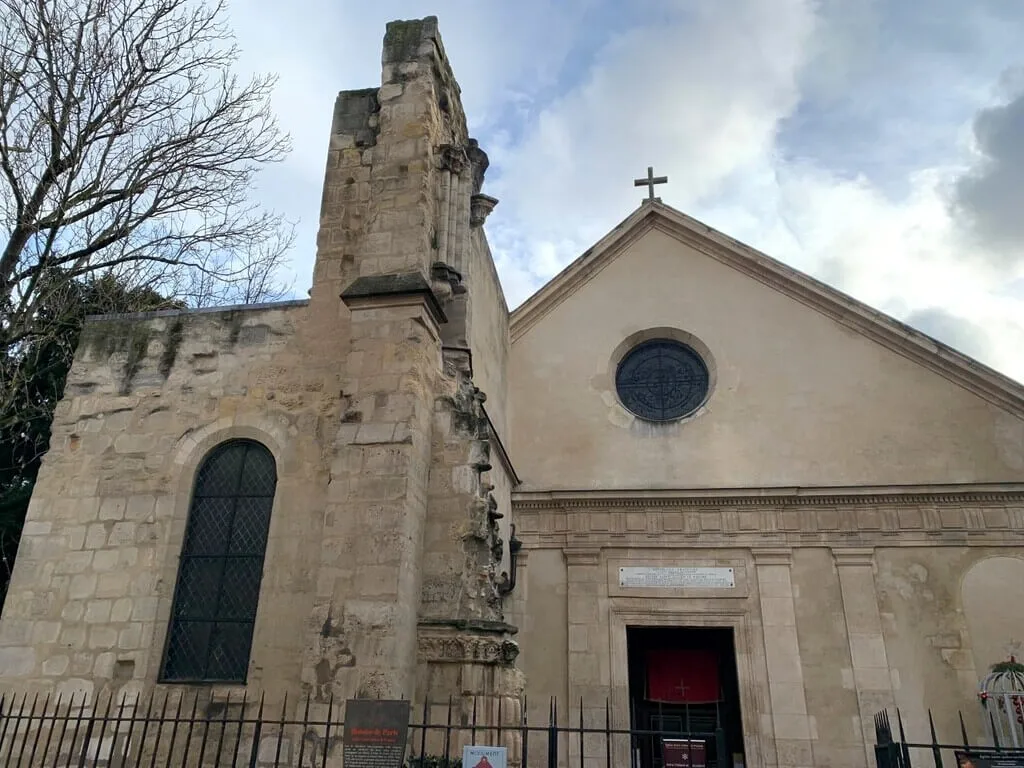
x=398, y=488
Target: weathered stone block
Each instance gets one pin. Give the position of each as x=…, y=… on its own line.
x=102, y=637
x=97, y=611
x=96, y=536
x=113, y=584
x=121, y=534
x=86, y=510
x=82, y=586
x=103, y=666
x=130, y=637
x=73, y=611
x=55, y=666
x=44, y=632
x=112, y=509
x=72, y=636
x=74, y=562
x=17, y=662
x=375, y=433
x=144, y=608
x=36, y=528
x=121, y=610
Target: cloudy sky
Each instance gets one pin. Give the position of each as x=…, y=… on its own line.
x=877, y=144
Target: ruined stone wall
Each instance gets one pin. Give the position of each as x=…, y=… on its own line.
x=390, y=524
x=413, y=453
x=381, y=201
x=147, y=398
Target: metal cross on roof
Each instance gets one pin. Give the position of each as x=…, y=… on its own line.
x=649, y=182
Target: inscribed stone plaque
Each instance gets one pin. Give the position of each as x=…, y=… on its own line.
x=677, y=576
x=375, y=733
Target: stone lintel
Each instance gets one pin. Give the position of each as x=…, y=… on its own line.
x=369, y=290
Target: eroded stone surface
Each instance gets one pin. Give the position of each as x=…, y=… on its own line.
x=380, y=444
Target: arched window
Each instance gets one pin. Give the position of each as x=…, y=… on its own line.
x=218, y=588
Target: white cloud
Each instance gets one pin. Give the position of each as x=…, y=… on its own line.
x=816, y=136
x=659, y=94
x=703, y=99
x=503, y=55
x=909, y=259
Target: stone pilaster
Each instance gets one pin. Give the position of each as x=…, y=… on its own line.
x=369, y=581
x=791, y=725
x=589, y=654
x=468, y=674
x=871, y=674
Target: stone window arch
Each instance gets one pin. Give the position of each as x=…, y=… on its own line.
x=221, y=565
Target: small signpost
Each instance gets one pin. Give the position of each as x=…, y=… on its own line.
x=484, y=757
x=375, y=733
x=684, y=753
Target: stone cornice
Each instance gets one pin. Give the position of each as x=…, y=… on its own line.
x=862, y=517
x=376, y=290
x=999, y=494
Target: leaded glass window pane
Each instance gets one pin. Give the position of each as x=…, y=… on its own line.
x=216, y=596
x=661, y=380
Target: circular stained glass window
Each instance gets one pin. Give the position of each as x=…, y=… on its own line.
x=661, y=380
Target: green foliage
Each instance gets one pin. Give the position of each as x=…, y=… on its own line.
x=33, y=371
x=1010, y=667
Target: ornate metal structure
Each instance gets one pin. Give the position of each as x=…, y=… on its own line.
x=1002, y=697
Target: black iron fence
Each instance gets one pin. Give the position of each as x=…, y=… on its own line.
x=893, y=752
x=182, y=730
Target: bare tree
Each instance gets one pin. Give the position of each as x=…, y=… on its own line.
x=127, y=144
x=128, y=153
x=128, y=148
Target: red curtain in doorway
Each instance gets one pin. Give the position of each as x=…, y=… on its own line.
x=682, y=676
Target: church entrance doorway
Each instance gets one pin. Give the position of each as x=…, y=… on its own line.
x=683, y=680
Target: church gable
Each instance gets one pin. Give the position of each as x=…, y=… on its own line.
x=767, y=378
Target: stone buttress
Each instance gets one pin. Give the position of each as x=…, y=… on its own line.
x=409, y=589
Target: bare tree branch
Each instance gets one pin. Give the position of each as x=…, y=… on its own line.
x=126, y=138
x=129, y=150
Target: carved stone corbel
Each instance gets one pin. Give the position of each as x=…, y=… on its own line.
x=480, y=207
